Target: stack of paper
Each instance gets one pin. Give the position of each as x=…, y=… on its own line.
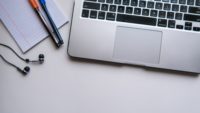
x=24, y=24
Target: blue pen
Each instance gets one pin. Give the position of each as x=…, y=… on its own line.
x=43, y=5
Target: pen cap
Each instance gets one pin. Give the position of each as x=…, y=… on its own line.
x=34, y=4
x=43, y=2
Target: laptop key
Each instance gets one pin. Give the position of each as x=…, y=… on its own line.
x=158, y=5
x=129, y=10
x=101, y=15
x=113, y=8
x=145, y=12
x=175, y=7
x=118, y=2
x=134, y=2
x=182, y=1
x=136, y=19
x=167, y=6
x=170, y=15
x=90, y=5
x=142, y=3
x=104, y=7
x=188, y=28
x=183, y=8
x=194, y=18
x=194, y=10
x=171, y=23
x=162, y=14
x=110, y=16
x=178, y=16
x=109, y=1
x=179, y=26
x=190, y=2
x=137, y=11
x=150, y=4
x=121, y=9
x=85, y=13
x=188, y=23
x=174, y=1
x=162, y=22
x=196, y=28
x=93, y=14
x=126, y=2
x=154, y=13
x=197, y=3
x=92, y=0
x=102, y=1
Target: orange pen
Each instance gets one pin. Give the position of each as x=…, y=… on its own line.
x=36, y=7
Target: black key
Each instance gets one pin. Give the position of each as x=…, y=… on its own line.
x=167, y=6
x=154, y=13
x=189, y=17
x=179, y=16
x=126, y=2
x=109, y=1
x=129, y=10
x=92, y=0
x=157, y=0
x=110, y=16
x=113, y=8
x=85, y=13
x=145, y=12
x=162, y=22
x=90, y=5
x=136, y=19
x=104, y=7
x=170, y=15
x=134, y=2
x=196, y=28
x=118, y=1
x=175, y=7
x=93, y=14
x=188, y=28
x=121, y=9
x=162, y=14
x=183, y=8
x=142, y=3
x=197, y=3
x=158, y=5
x=137, y=11
x=171, y=23
x=179, y=26
x=101, y=15
x=188, y=23
x=195, y=10
x=102, y=1
x=190, y=2
x=150, y=4
x=182, y=1
x=165, y=0
x=174, y=1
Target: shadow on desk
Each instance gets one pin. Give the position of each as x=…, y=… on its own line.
x=147, y=69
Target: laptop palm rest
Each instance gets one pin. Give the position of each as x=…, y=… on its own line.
x=137, y=45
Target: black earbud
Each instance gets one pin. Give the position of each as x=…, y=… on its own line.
x=26, y=69
x=40, y=59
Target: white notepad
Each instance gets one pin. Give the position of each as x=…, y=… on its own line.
x=24, y=24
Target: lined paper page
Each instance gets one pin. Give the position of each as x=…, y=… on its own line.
x=24, y=24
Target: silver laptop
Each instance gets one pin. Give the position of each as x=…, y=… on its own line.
x=154, y=33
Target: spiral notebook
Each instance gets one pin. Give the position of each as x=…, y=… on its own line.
x=24, y=24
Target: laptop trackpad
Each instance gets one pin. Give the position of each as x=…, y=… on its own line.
x=137, y=45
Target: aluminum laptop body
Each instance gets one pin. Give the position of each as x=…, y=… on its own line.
x=130, y=32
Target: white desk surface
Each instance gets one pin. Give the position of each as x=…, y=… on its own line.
x=64, y=85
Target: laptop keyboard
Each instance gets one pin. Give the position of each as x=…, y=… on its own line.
x=174, y=14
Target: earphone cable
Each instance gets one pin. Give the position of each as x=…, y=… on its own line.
x=12, y=51
x=8, y=62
